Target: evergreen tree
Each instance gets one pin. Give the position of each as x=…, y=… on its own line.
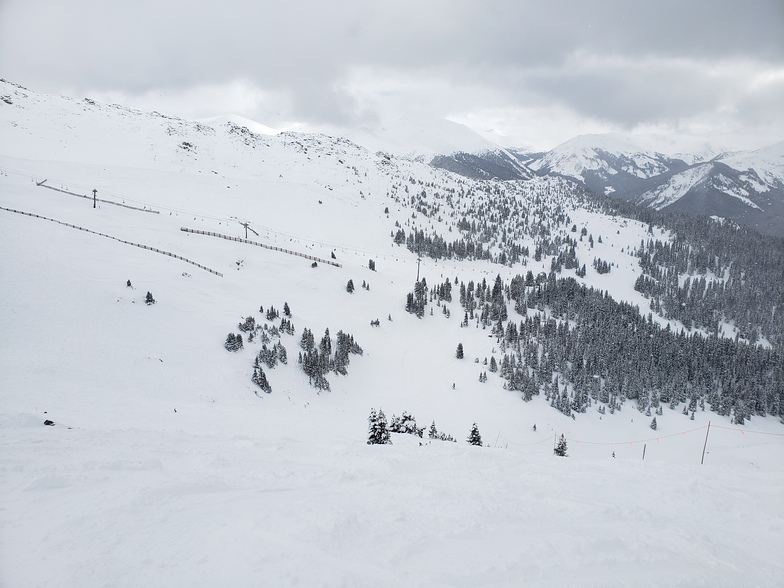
x=149, y=299
x=654, y=426
x=459, y=352
x=474, y=438
x=560, y=448
x=433, y=432
x=378, y=433
x=350, y=287
x=286, y=309
x=307, y=342
x=283, y=356
x=260, y=379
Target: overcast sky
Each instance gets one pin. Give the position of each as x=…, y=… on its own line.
x=539, y=72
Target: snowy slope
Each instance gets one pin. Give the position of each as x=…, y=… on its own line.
x=678, y=185
x=240, y=121
x=764, y=167
x=165, y=467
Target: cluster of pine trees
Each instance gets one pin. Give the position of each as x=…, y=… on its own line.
x=318, y=360
x=732, y=274
x=583, y=347
x=379, y=429
x=577, y=346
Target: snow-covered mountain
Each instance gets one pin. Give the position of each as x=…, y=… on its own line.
x=164, y=464
x=747, y=187
x=443, y=143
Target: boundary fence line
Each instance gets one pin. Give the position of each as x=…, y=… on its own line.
x=270, y=247
x=550, y=437
x=139, y=245
x=43, y=185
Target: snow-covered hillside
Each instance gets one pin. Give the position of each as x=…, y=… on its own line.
x=166, y=465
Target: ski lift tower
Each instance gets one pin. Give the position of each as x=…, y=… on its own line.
x=246, y=224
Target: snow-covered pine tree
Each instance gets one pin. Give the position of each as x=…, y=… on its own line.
x=433, y=432
x=378, y=433
x=560, y=448
x=307, y=342
x=459, y=352
x=281, y=352
x=383, y=431
x=149, y=299
x=372, y=427
x=350, y=287
x=654, y=426
x=260, y=379
x=474, y=438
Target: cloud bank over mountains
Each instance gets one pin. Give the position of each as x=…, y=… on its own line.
x=537, y=73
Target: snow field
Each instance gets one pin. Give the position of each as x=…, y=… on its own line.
x=165, y=468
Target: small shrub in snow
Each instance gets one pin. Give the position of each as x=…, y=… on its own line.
x=149, y=299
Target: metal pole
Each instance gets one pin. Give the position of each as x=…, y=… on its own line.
x=702, y=461
x=418, y=260
x=95, y=194
x=643, y=450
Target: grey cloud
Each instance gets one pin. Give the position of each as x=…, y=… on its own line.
x=308, y=49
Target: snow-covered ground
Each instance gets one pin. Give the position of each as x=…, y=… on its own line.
x=167, y=466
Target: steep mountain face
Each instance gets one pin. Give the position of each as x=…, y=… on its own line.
x=747, y=187
x=490, y=164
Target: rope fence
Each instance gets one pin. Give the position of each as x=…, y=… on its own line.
x=262, y=245
x=43, y=185
x=139, y=245
x=552, y=438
